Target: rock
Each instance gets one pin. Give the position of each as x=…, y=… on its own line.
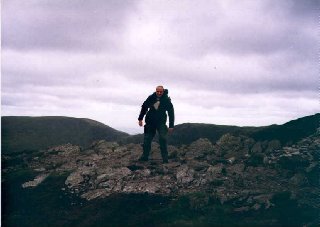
x=103, y=145
x=234, y=146
x=273, y=145
x=40, y=169
x=255, y=159
x=144, y=172
x=293, y=162
x=198, y=165
x=214, y=170
x=298, y=179
x=262, y=200
x=65, y=149
x=172, y=152
x=101, y=178
x=94, y=194
x=235, y=171
x=155, y=154
x=141, y=187
x=118, y=173
x=257, y=148
x=199, y=149
x=231, y=160
x=74, y=179
x=37, y=180
x=185, y=175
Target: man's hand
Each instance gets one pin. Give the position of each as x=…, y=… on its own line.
x=170, y=130
x=140, y=123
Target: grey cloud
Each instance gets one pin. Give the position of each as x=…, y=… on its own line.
x=307, y=8
x=212, y=100
x=252, y=27
x=61, y=56
x=49, y=69
x=253, y=86
x=261, y=76
x=28, y=99
x=68, y=93
x=75, y=25
x=15, y=79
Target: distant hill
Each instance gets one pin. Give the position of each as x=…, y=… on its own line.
x=287, y=133
x=187, y=133
x=33, y=133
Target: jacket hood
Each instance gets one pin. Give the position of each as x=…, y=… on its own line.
x=166, y=92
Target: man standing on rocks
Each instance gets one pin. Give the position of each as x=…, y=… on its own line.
x=156, y=107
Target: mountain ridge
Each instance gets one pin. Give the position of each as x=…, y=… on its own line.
x=33, y=133
x=287, y=133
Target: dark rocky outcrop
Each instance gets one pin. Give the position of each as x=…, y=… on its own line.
x=236, y=179
x=232, y=171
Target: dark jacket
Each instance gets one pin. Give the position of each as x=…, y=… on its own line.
x=156, y=117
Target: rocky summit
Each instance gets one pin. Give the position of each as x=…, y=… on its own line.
x=247, y=175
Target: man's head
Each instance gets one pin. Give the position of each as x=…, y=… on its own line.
x=159, y=91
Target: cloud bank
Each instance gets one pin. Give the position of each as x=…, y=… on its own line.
x=224, y=62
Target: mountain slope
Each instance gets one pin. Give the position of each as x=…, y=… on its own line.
x=33, y=133
x=287, y=133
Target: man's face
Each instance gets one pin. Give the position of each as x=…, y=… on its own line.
x=159, y=91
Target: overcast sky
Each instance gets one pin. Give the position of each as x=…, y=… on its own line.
x=227, y=62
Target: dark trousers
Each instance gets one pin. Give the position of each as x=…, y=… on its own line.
x=149, y=133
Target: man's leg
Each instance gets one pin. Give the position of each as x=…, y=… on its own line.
x=149, y=133
x=163, y=131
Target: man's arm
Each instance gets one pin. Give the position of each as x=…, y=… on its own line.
x=143, y=111
x=171, y=116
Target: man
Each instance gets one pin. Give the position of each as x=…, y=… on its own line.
x=156, y=106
